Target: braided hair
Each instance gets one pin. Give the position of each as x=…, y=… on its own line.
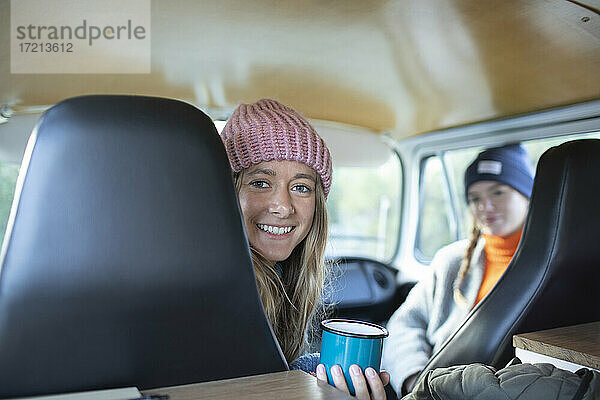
x=466, y=264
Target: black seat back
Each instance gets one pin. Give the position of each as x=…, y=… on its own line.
x=125, y=261
x=553, y=277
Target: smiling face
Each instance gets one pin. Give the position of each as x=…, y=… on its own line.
x=277, y=199
x=498, y=209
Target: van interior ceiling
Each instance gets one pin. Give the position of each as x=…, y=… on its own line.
x=399, y=67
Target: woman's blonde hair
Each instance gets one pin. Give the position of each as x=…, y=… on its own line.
x=292, y=301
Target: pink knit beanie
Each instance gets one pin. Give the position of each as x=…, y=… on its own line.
x=266, y=131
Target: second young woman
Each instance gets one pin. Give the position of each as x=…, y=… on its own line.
x=498, y=185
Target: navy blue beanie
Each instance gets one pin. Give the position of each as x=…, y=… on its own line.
x=507, y=164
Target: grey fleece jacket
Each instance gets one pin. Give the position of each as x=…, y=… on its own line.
x=516, y=382
x=430, y=314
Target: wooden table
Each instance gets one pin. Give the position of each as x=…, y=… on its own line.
x=289, y=385
x=569, y=348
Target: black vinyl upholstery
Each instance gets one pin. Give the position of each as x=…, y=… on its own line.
x=553, y=278
x=125, y=261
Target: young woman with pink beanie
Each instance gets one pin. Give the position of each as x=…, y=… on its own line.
x=282, y=173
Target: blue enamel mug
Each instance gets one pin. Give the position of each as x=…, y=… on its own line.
x=345, y=342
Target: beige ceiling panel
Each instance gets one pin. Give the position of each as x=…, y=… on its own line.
x=405, y=67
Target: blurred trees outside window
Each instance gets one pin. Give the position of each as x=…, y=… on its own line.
x=8, y=179
x=364, y=210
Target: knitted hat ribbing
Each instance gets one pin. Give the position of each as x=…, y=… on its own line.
x=268, y=130
x=507, y=164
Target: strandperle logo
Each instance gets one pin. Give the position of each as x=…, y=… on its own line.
x=82, y=31
x=80, y=36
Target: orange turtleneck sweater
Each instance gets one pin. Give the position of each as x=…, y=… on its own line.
x=498, y=253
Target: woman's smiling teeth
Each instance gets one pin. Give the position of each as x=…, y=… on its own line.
x=275, y=230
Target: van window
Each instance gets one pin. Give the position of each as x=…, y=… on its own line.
x=8, y=179
x=443, y=213
x=364, y=210
x=435, y=220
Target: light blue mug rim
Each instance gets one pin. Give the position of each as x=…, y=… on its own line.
x=384, y=332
